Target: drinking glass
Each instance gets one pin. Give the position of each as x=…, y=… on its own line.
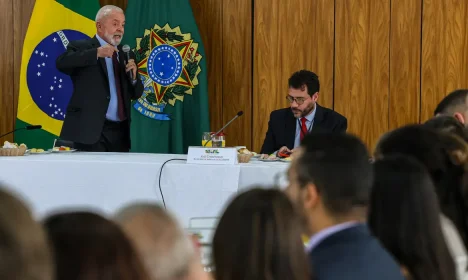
x=205, y=138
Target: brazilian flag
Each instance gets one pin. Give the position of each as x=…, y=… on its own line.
x=44, y=91
x=173, y=112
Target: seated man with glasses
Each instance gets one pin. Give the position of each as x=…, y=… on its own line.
x=288, y=126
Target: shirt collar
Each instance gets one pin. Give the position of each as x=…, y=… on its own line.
x=323, y=234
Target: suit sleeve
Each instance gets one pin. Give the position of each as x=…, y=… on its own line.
x=74, y=57
x=269, y=142
x=342, y=125
x=135, y=89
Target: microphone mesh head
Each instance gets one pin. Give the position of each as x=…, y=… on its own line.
x=126, y=48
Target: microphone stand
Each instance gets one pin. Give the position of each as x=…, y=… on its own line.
x=12, y=132
x=211, y=138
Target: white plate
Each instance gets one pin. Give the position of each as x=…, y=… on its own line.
x=268, y=160
x=43, y=153
x=69, y=151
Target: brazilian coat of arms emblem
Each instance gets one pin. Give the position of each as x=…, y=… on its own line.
x=168, y=63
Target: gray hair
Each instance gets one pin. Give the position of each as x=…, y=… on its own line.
x=106, y=10
x=164, y=247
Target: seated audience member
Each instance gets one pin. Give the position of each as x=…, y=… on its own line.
x=258, y=238
x=88, y=246
x=404, y=216
x=24, y=250
x=288, y=126
x=445, y=157
x=454, y=104
x=448, y=124
x=168, y=253
x=330, y=180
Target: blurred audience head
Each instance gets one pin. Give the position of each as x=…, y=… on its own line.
x=454, y=104
x=330, y=179
x=88, y=246
x=168, y=253
x=448, y=124
x=404, y=215
x=259, y=237
x=24, y=250
x=304, y=87
x=445, y=157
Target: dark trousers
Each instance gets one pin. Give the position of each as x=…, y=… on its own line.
x=114, y=138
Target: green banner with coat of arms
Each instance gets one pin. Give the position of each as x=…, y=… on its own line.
x=173, y=112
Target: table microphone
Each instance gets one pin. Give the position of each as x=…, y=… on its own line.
x=240, y=113
x=29, y=127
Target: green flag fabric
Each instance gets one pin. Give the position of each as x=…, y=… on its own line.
x=173, y=112
x=44, y=91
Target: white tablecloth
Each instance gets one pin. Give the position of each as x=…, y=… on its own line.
x=107, y=181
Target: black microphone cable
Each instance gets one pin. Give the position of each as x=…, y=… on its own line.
x=160, y=176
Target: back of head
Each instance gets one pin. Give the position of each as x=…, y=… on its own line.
x=24, y=250
x=88, y=246
x=404, y=216
x=259, y=237
x=338, y=165
x=162, y=244
x=445, y=157
x=456, y=100
x=305, y=78
x=448, y=124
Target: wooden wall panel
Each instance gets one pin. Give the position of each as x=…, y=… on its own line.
x=444, y=51
x=22, y=11
x=237, y=70
x=208, y=14
x=288, y=38
x=405, y=62
x=7, y=75
x=362, y=66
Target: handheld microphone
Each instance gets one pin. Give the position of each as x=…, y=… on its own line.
x=29, y=127
x=240, y=113
x=126, y=50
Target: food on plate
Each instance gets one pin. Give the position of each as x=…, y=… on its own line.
x=61, y=148
x=287, y=159
x=36, y=151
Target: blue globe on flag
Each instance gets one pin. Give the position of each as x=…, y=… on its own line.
x=50, y=89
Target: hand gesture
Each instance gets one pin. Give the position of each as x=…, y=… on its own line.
x=106, y=51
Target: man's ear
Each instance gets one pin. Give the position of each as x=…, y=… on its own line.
x=311, y=196
x=459, y=117
x=315, y=96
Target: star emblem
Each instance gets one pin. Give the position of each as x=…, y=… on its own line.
x=183, y=48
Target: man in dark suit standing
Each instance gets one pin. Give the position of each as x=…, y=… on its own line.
x=330, y=180
x=288, y=126
x=98, y=114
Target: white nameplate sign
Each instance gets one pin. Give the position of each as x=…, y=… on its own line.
x=209, y=155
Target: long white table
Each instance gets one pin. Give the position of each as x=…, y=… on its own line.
x=105, y=182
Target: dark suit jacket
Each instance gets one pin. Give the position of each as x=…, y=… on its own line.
x=86, y=111
x=282, y=127
x=353, y=254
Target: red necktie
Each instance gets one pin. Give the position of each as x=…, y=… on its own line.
x=303, y=128
x=120, y=103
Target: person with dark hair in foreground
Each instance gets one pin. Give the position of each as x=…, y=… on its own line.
x=445, y=157
x=404, y=216
x=454, y=104
x=25, y=253
x=88, y=246
x=330, y=180
x=448, y=124
x=288, y=126
x=258, y=238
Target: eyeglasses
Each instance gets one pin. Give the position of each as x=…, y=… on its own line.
x=299, y=100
